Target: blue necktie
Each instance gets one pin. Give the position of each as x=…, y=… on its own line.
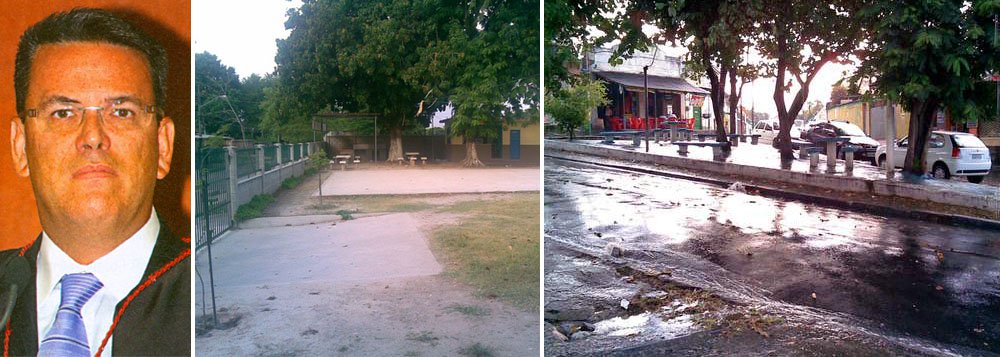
x=68, y=336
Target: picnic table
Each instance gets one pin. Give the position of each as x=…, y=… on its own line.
x=831, y=151
x=413, y=156
x=342, y=160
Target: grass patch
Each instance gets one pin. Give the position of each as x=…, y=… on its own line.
x=372, y=204
x=291, y=182
x=345, y=214
x=469, y=310
x=254, y=208
x=476, y=350
x=423, y=336
x=495, y=249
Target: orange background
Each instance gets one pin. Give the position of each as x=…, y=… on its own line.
x=169, y=22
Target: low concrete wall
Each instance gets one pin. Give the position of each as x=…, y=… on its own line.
x=252, y=186
x=818, y=180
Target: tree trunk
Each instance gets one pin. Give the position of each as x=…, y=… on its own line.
x=718, y=92
x=471, y=156
x=919, y=133
x=787, y=114
x=395, y=144
x=733, y=110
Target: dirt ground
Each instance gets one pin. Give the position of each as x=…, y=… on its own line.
x=300, y=310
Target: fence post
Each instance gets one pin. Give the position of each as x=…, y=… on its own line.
x=261, y=166
x=232, y=164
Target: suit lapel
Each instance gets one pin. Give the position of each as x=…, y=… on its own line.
x=24, y=319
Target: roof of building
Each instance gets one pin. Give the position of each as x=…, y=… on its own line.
x=653, y=82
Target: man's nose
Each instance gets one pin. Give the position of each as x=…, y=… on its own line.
x=92, y=133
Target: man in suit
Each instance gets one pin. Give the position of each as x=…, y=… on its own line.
x=105, y=276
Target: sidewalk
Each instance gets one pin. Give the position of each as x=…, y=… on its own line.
x=763, y=162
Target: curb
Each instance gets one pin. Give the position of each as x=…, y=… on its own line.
x=849, y=184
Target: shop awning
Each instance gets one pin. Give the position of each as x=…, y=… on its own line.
x=653, y=82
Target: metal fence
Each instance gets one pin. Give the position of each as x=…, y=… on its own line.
x=220, y=171
x=247, y=162
x=212, y=204
x=270, y=157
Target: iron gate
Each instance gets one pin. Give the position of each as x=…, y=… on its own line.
x=212, y=195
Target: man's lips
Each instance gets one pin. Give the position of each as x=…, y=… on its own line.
x=94, y=171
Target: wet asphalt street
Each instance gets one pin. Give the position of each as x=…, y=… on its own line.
x=917, y=282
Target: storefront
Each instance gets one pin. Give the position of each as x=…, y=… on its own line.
x=666, y=96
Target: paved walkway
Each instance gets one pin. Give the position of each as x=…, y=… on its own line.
x=312, y=248
x=421, y=180
x=314, y=285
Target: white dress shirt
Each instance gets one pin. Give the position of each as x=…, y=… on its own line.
x=120, y=271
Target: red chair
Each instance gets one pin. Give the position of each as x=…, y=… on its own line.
x=616, y=124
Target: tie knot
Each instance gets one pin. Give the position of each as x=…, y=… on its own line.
x=77, y=289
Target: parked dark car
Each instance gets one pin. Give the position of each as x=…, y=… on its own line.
x=864, y=145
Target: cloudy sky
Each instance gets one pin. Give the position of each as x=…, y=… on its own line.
x=241, y=33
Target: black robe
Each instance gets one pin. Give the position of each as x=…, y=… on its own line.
x=156, y=322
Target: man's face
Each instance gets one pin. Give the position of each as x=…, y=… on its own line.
x=86, y=165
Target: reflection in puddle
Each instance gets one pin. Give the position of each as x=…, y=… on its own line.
x=648, y=324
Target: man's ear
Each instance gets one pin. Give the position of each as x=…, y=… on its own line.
x=165, y=141
x=17, y=142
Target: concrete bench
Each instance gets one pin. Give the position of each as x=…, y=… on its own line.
x=813, y=152
x=848, y=151
x=685, y=134
x=423, y=160
x=682, y=147
x=802, y=146
x=734, y=139
x=754, y=138
x=701, y=137
x=609, y=136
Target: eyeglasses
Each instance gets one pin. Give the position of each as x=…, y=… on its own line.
x=116, y=114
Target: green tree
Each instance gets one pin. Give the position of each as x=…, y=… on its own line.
x=360, y=56
x=490, y=66
x=929, y=55
x=808, y=35
x=716, y=33
x=812, y=110
x=571, y=107
x=213, y=80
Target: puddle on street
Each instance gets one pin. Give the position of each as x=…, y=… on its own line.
x=920, y=278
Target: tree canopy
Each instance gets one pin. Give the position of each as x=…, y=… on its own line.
x=929, y=55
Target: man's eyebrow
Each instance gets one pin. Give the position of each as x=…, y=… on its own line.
x=124, y=98
x=58, y=99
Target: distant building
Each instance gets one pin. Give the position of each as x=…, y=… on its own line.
x=668, y=93
x=519, y=144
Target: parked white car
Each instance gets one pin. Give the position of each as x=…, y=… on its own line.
x=768, y=130
x=949, y=154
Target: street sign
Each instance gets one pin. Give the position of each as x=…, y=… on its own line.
x=996, y=78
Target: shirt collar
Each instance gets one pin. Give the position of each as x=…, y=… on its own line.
x=120, y=270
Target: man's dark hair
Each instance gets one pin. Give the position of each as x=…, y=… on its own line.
x=88, y=25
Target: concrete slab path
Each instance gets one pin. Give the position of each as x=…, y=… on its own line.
x=419, y=180
x=331, y=252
